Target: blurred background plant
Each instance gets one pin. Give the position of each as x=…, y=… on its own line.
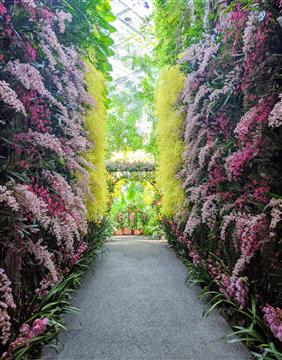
x=134, y=198
x=135, y=208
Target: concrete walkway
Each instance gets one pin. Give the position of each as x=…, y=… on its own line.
x=137, y=307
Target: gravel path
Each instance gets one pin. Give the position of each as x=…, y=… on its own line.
x=137, y=307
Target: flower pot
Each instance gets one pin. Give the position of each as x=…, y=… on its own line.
x=126, y=231
x=118, y=232
x=137, y=232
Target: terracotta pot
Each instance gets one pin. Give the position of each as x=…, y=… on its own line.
x=118, y=232
x=137, y=232
x=126, y=231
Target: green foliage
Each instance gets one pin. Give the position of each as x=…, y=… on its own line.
x=175, y=28
x=132, y=104
x=91, y=30
x=169, y=139
x=152, y=225
x=146, y=93
x=135, y=207
x=95, y=122
x=124, y=112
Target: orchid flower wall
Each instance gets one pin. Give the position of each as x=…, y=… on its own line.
x=231, y=220
x=44, y=181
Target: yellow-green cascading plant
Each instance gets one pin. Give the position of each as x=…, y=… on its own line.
x=169, y=139
x=95, y=122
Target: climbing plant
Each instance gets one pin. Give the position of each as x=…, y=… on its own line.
x=90, y=28
x=177, y=25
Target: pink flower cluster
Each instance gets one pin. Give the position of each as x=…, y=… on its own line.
x=44, y=257
x=81, y=249
x=276, y=215
x=37, y=140
x=7, y=197
x=119, y=217
x=62, y=214
x=249, y=134
x=9, y=96
x=29, y=77
x=234, y=25
x=33, y=205
x=3, y=9
x=220, y=125
x=62, y=17
x=233, y=288
x=241, y=292
x=275, y=117
x=252, y=121
x=73, y=203
x=6, y=302
x=28, y=3
x=27, y=333
x=236, y=163
x=250, y=230
x=39, y=112
x=209, y=210
x=254, y=39
x=54, y=202
x=193, y=221
x=29, y=51
x=273, y=318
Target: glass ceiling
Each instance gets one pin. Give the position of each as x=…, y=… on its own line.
x=128, y=39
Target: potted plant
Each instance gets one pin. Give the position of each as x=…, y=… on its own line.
x=119, y=223
x=118, y=232
x=126, y=226
x=137, y=232
x=131, y=219
x=138, y=225
x=126, y=231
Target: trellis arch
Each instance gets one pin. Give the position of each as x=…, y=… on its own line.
x=144, y=172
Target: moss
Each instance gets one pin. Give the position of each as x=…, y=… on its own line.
x=95, y=122
x=169, y=139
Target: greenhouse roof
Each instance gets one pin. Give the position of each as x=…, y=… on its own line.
x=128, y=39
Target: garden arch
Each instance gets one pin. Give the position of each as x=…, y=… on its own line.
x=140, y=174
